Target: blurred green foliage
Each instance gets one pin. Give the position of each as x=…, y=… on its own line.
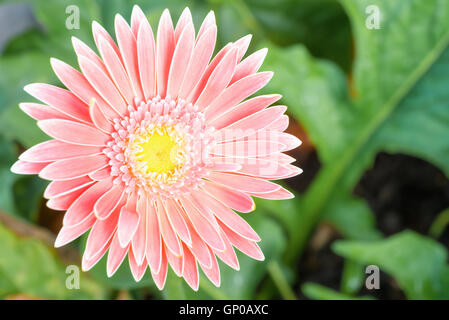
x=354, y=90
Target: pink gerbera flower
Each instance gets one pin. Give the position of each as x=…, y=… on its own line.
x=154, y=149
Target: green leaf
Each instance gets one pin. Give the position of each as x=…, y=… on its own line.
x=416, y=262
x=319, y=292
x=29, y=267
x=400, y=99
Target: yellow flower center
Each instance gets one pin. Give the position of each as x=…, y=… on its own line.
x=156, y=152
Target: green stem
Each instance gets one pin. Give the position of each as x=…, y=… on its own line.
x=274, y=269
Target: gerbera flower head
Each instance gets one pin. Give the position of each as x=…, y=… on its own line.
x=155, y=146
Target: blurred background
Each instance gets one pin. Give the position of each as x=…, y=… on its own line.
x=366, y=83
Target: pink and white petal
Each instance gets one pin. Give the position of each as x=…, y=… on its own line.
x=99, y=32
x=281, y=194
x=247, y=148
x=139, y=240
x=101, y=234
x=88, y=263
x=213, y=273
x=242, y=44
x=218, y=79
x=267, y=169
x=76, y=82
x=201, y=55
x=74, y=167
x=137, y=16
x=251, y=124
x=237, y=92
x=83, y=50
x=180, y=61
x=243, y=183
x=160, y=276
x=209, y=21
x=174, y=261
x=199, y=248
x=116, y=256
x=184, y=20
x=248, y=247
x=146, y=54
x=289, y=140
x=109, y=202
x=65, y=201
x=73, y=132
x=281, y=124
x=169, y=236
x=128, y=221
x=69, y=233
x=25, y=167
x=206, y=230
x=165, y=46
x=116, y=69
x=228, y=255
x=84, y=204
x=59, y=188
x=250, y=65
x=39, y=111
x=244, y=110
x=175, y=216
x=99, y=119
x=128, y=49
x=103, y=84
x=137, y=270
x=62, y=100
x=224, y=165
x=229, y=217
x=190, y=269
x=235, y=199
x=153, y=240
x=54, y=150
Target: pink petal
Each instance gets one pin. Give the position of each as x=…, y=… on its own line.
x=248, y=247
x=280, y=124
x=281, y=194
x=128, y=221
x=184, y=20
x=246, y=149
x=54, y=150
x=88, y=263
x=169, y=236
x=205, y=229
x=236, y=200
x=220, y=164
x=100, y=235
x=174, y=214
x=250, y=65
x=101, y=174
x=228, y=255
x=74, y=167
x=213, y=273
x=137, y=270
x=146, y=53
x=69, y=233
x=25, y=167
x=99, y=32
x=243, y=183
x=181, y=59
x=39, y=111
x=190, y=269
x=198, y=62
x=153, y=237
x=218, y=79
x=128, y=48
x=139, y=240
x=84, y=204
x=209, y=21
x=175, y=262
x=109, y=202
x=99, y=119
x=160, y=277
x=242, y=44
x=251, y=124
x=244, y=110
x=72, y=132
x=60, y=99
x=82, y=50
x=165, y=47
x=65, y=201
x=237, y=92
x=76, y=82
x=199, y=248
x=229, y=218
x=59, y=188
x=137, y=16
x=116, y=256
x=103, y=85
x=116, y=70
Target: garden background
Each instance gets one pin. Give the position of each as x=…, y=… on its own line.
x=370, y=105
